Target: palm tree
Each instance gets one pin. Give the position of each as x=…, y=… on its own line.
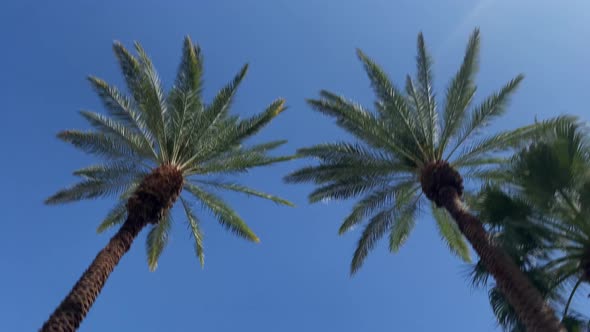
x=541, y=218
x=155, y=147
x=407, y=153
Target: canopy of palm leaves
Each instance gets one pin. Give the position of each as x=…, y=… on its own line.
x=149, y=128
x=541, y=219
x=407, y=132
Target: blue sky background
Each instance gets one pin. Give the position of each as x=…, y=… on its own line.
x=297, y=278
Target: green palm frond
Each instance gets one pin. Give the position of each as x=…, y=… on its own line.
x=224, y=214
x=343, y=161
x=113, y=171
x=205, y=122
x=136, y=141
x=398, y=220
x=232, y=132
x=342, y=152
x=152, y=101
x=345, y=189
x=402, y=227
x=157, y=239
x=376, y=200
x=195, y=230
x=85, y=189
x=375, y=229
x=117, y=104
x=451, y=234
x=491, y=108
x=252, y=125
x=185, y=101
x=98, y=181
x=392, y=104
x=236, y=162
x=426, y=106
x=460, y=93
x=362, y=123
x=104, y=145
x=190, y=71
x=116, y=216
x=242, y=189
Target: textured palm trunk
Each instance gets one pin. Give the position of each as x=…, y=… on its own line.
x=442, y=184
x=156, y=193
x=533, y=311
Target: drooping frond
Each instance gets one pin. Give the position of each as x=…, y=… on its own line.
x=157, y=239
x=402, y=226
x=242, y=189
x=460, y=93
x=98, y=181
x=376, y=200
x=118, y=213
x=504, y=313
x=195, y=230
x=86, y=189
x=398, y=220
x=115, y=217
x=224, y=214
x=451, y=234
x=375, y=229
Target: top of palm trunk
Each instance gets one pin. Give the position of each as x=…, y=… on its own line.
x=438, y=175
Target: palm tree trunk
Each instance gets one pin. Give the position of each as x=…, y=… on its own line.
x=533, y=311
x=156, y=193
x=72, y=310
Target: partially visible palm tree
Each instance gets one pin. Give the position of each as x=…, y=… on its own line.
x=155, y=147
x=407, y=154
x=541, y=219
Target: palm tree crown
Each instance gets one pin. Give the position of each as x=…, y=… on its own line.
x=151, y=131
x=408, y=149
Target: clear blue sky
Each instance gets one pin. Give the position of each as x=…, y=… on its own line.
x=297, y=278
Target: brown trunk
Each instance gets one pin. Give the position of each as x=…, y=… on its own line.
x=533, y=311
x=156, y=193
x=73, y=309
